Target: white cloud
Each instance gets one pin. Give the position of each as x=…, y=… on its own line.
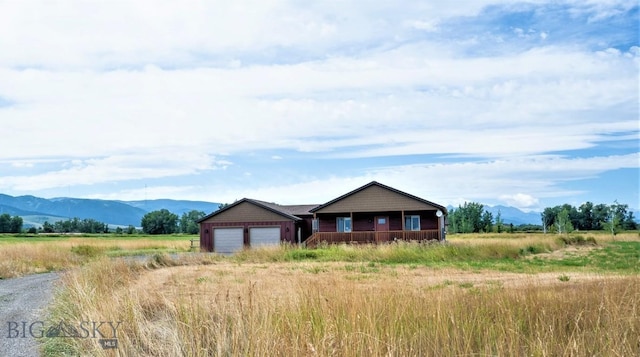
x=520, y=200
x=22, y=164
x=208, y=109
x=165, y=163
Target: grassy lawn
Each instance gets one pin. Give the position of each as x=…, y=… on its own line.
x=476, y=295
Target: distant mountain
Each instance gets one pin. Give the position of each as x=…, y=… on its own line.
x=514, y=215
x=511, y=215
x=14, y=211
x=36, y=210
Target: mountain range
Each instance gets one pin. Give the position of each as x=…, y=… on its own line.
x=35, y=210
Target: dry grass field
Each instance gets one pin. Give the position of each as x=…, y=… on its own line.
x=37, y=254
x=524, y=296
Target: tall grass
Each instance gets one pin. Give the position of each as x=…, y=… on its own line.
x=21, y=256
x=290, y=309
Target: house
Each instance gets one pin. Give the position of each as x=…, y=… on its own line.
x=373, y=213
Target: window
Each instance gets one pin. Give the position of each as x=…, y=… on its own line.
x=412, y=223
x=344, y=224
x=314, y=225
x=382, y=220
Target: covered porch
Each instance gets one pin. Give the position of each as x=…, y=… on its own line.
x=377, y=227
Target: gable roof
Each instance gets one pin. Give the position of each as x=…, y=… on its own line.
x=275, y=208
x=385, y=187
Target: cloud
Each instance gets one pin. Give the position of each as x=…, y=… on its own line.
x=520, y=200
x=166, y=163
x=196, y=108
x=22, y=164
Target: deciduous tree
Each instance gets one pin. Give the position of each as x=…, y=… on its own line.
x=160, y=222
x=188, y=222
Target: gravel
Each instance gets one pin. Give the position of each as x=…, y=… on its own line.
x=22, y=304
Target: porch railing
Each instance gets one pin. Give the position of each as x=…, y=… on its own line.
x=371, y=237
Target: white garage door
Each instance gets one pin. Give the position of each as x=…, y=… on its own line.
x=264, y=236
x=228, y=240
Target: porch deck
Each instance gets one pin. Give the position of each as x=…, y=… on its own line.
x=371, y=237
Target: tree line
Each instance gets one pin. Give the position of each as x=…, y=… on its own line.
x=156, y=222
x=588, y=217
x=473, y=218
x=75, y=225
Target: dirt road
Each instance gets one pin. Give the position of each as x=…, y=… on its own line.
x=22, y=307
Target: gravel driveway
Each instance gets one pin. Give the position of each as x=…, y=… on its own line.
x=22, y=304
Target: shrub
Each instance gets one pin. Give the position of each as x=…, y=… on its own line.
x=578, y=240
x=87, y=250
x=159, y=260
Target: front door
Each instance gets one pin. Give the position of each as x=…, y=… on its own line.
x=381, y=224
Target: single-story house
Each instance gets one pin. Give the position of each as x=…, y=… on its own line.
x=373, y=213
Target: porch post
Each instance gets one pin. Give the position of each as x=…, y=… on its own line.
x=403, y=225
x=352, y=226
x=441, y=228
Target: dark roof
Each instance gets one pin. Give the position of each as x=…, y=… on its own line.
x=300, y=210
x=294, y=210
x=374, y=183
x=281, y=210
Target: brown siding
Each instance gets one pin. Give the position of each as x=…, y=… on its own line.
x=327, y=224
x=245, y=212
x=375, y=198
x=362, y=223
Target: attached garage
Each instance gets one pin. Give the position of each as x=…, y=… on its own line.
x=228, y=240
x=253, y=223
x=264, y=236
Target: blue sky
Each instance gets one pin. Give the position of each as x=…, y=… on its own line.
x=529, y=104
